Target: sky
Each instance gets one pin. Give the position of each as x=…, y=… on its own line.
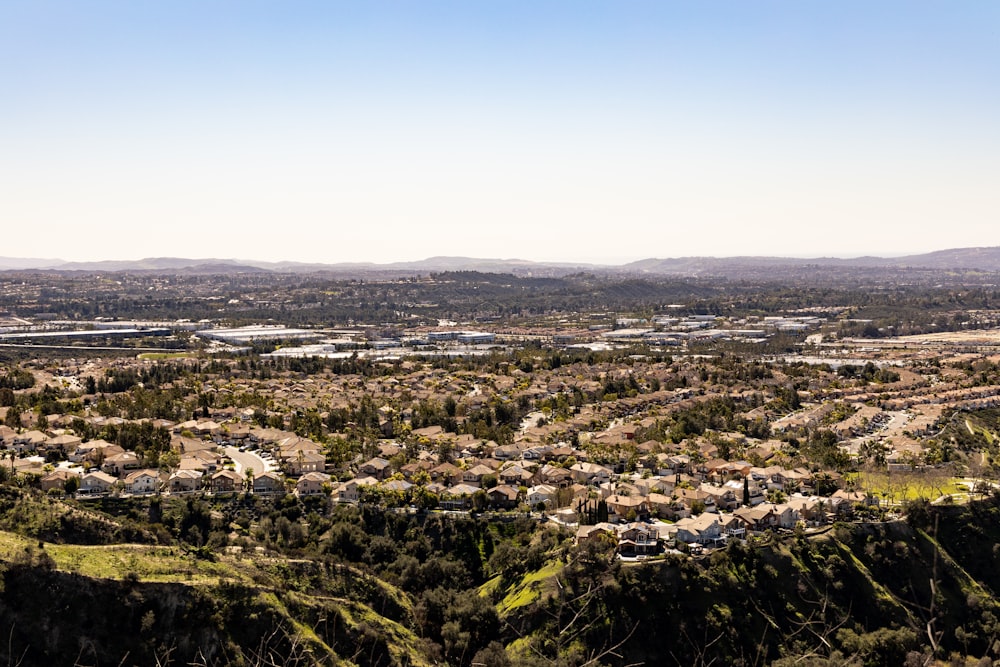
x=580, y=131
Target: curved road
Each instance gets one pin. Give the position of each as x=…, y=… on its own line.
x=244, y=460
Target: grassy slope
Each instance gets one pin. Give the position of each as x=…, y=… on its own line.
x=262, y=592
x=863, y=590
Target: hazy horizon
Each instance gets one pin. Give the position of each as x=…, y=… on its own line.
x=547, y=131
x=359, y=260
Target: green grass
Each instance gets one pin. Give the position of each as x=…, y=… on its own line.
x=403, y=643
x=159, y=564
x=160, y=356
x=490, y=587
x=975, y=429
x=880, y=592
x=899, y=487
x=529, y=588
x=121, y=561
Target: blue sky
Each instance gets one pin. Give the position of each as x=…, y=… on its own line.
x=572, y=131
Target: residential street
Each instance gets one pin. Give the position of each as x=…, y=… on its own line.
x=244, y=460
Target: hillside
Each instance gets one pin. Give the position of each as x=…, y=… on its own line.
x=856, y=594
x=144, y=605
x=748, y=267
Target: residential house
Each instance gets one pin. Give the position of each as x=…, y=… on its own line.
x=269, y=436
x=626, y=508
x=810, y=509
x=94, y=483
x=232, y=434
x=648, y=447
x=184, y=481
x=790, y=481
x=638, y=539
x=203, y=461
x=93, y=452
x=7, y=435
x=351, y=490
x=847, y=499
x=757, y=519
x=400, y=486
x=672, y=464
x=304, y=462
x=590, y=473
x=838, y=506
x=696, y=499
x=732, y=526
x=762, y=476
x=289, y=448
x=536, y=453
x=469, y=445
x=506, y=452
x=666, y=507
x=57, y=479
x=515, y=476
x=30, y=465
x=728, y=470
x=189, y=426
x=311, y=484
x=64, y=444
x=446, y=473
x=377, y=467
x=555, y=476
x=541, y=494
x=118, y=464
x=702, y=529
x=185, y=445
x=653, y=485
x=785, y=515
x=29, y=441
x=503, y=496
x=474, y=475
x=207, y=428
x=724, y=498
x=414, y=467
x=458, y=497
x=268, y=483
x=712, y=470
x=430, y=432
x=226, y=481
x=436, y=489
x=142, y=482
x=753, y=490
x=387, y=450
x=600, y=531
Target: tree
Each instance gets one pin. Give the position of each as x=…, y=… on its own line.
x=170, y=459
x=72, y=485
x=479, y=500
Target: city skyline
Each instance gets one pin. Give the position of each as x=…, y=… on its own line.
x=545, y=131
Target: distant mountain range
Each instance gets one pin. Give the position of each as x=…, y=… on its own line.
x=958, y=259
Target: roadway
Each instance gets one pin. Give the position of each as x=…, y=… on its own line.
x=244, y=460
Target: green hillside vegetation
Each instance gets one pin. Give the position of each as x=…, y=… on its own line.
x=864, y=594
x=234, y=584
